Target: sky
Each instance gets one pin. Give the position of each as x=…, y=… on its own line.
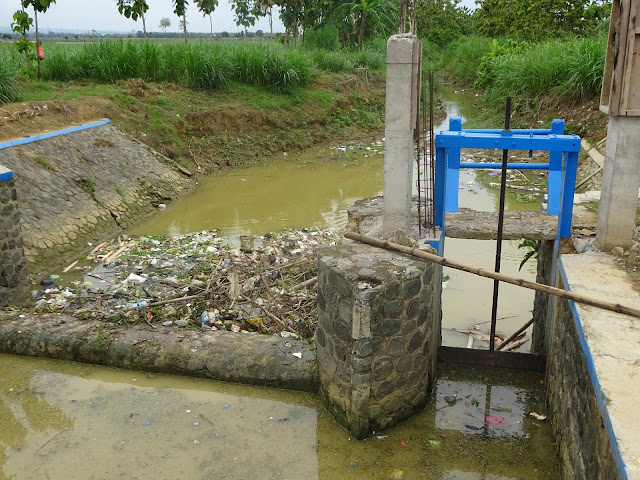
x=87, y=15
x=102, y=15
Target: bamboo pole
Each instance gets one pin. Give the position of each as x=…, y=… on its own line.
x=614, y=307
x=515, y=334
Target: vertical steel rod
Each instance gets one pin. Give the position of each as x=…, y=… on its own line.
x=503, y=188
x=431, y=196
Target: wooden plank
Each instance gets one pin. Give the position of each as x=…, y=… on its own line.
x=496, y=359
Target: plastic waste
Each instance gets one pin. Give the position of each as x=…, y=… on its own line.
x=537, y=416
x=353, y=464
x=435, y=443
x=494, y=419
x=286, y=334
x=133, y=278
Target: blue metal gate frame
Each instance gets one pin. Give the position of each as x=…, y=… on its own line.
x=562, y=174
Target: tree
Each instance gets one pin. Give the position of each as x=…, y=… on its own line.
x=180, y=9
x=370, y=16
x=207, y=7
x=164, y=24
x=246, y=14
x=530, y=19
x=38, y=6
x=441, y=21
x=21, y=24
x=133, y=9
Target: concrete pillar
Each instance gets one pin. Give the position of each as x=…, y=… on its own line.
x=377, y=336
x=620, y=184
x=13, y=265
x=402, y=101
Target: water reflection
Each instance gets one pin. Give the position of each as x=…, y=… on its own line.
x=86, y=421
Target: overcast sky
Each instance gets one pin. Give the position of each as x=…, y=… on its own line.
x=87, y=15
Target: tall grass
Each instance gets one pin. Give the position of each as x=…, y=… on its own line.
x=10, y=65
x=570, y=69
x=201, y=65
x=461, y=58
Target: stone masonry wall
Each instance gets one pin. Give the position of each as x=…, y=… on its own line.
x=581, y=440
x=13, y=269
x=378, y=335
x=541, y=300
x=83, y=186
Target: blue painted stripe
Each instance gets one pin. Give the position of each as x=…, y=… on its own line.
x=600, y=396
x=5, y=175
x=35, y=138
x=519, y=166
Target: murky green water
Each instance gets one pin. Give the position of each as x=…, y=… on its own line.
x=312, y=188
x=63, y=420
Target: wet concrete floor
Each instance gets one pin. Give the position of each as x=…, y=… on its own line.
x=63, y=420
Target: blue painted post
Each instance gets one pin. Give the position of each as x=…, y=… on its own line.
x=453, y=170
x=555, y=175
x=568, y=189
x=440, y=184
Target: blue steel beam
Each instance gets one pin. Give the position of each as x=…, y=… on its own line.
x=507, y=141
x=519, y=166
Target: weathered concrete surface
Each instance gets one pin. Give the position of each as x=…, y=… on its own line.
x=620, y=184
x=245, y=358
x=402, y=99
x=364, y=218
x=609, y=345
x=83, y=186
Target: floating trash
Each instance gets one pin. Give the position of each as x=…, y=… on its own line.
x=494, y=419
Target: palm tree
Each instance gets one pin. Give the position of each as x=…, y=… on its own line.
x=378, y=16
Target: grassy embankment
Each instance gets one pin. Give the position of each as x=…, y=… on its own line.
x=551, y=79
x=210, y=104
x=236, y=103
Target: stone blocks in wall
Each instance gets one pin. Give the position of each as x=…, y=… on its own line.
x=378, y=334
x=583, y=446
x=13, y=269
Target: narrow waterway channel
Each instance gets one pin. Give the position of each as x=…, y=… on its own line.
x=66, y=421
x=317, y=187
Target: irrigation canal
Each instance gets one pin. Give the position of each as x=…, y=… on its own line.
x=64, y=420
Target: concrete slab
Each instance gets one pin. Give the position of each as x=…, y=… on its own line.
x=611, y=343
x=365, y=217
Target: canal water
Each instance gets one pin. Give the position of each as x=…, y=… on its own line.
x=64, y=421
x=315, y=188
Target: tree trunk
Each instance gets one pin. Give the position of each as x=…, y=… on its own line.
x=144, y=25
x=211, y=24
x=35, y=10
x=184, y=24
x=271, y=21
x=361, y=32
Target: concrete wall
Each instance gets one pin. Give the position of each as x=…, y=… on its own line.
x=13, y=265
x=377, y=337
x=582, y=441
x=83, y=186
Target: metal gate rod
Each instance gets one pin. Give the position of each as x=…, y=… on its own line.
x=521, y=282
x=503, y=190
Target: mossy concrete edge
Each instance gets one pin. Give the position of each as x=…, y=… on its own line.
x=254, y=359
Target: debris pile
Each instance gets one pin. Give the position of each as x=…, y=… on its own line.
x=197, y=280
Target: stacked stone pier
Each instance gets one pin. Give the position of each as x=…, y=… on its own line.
x=378, y=335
